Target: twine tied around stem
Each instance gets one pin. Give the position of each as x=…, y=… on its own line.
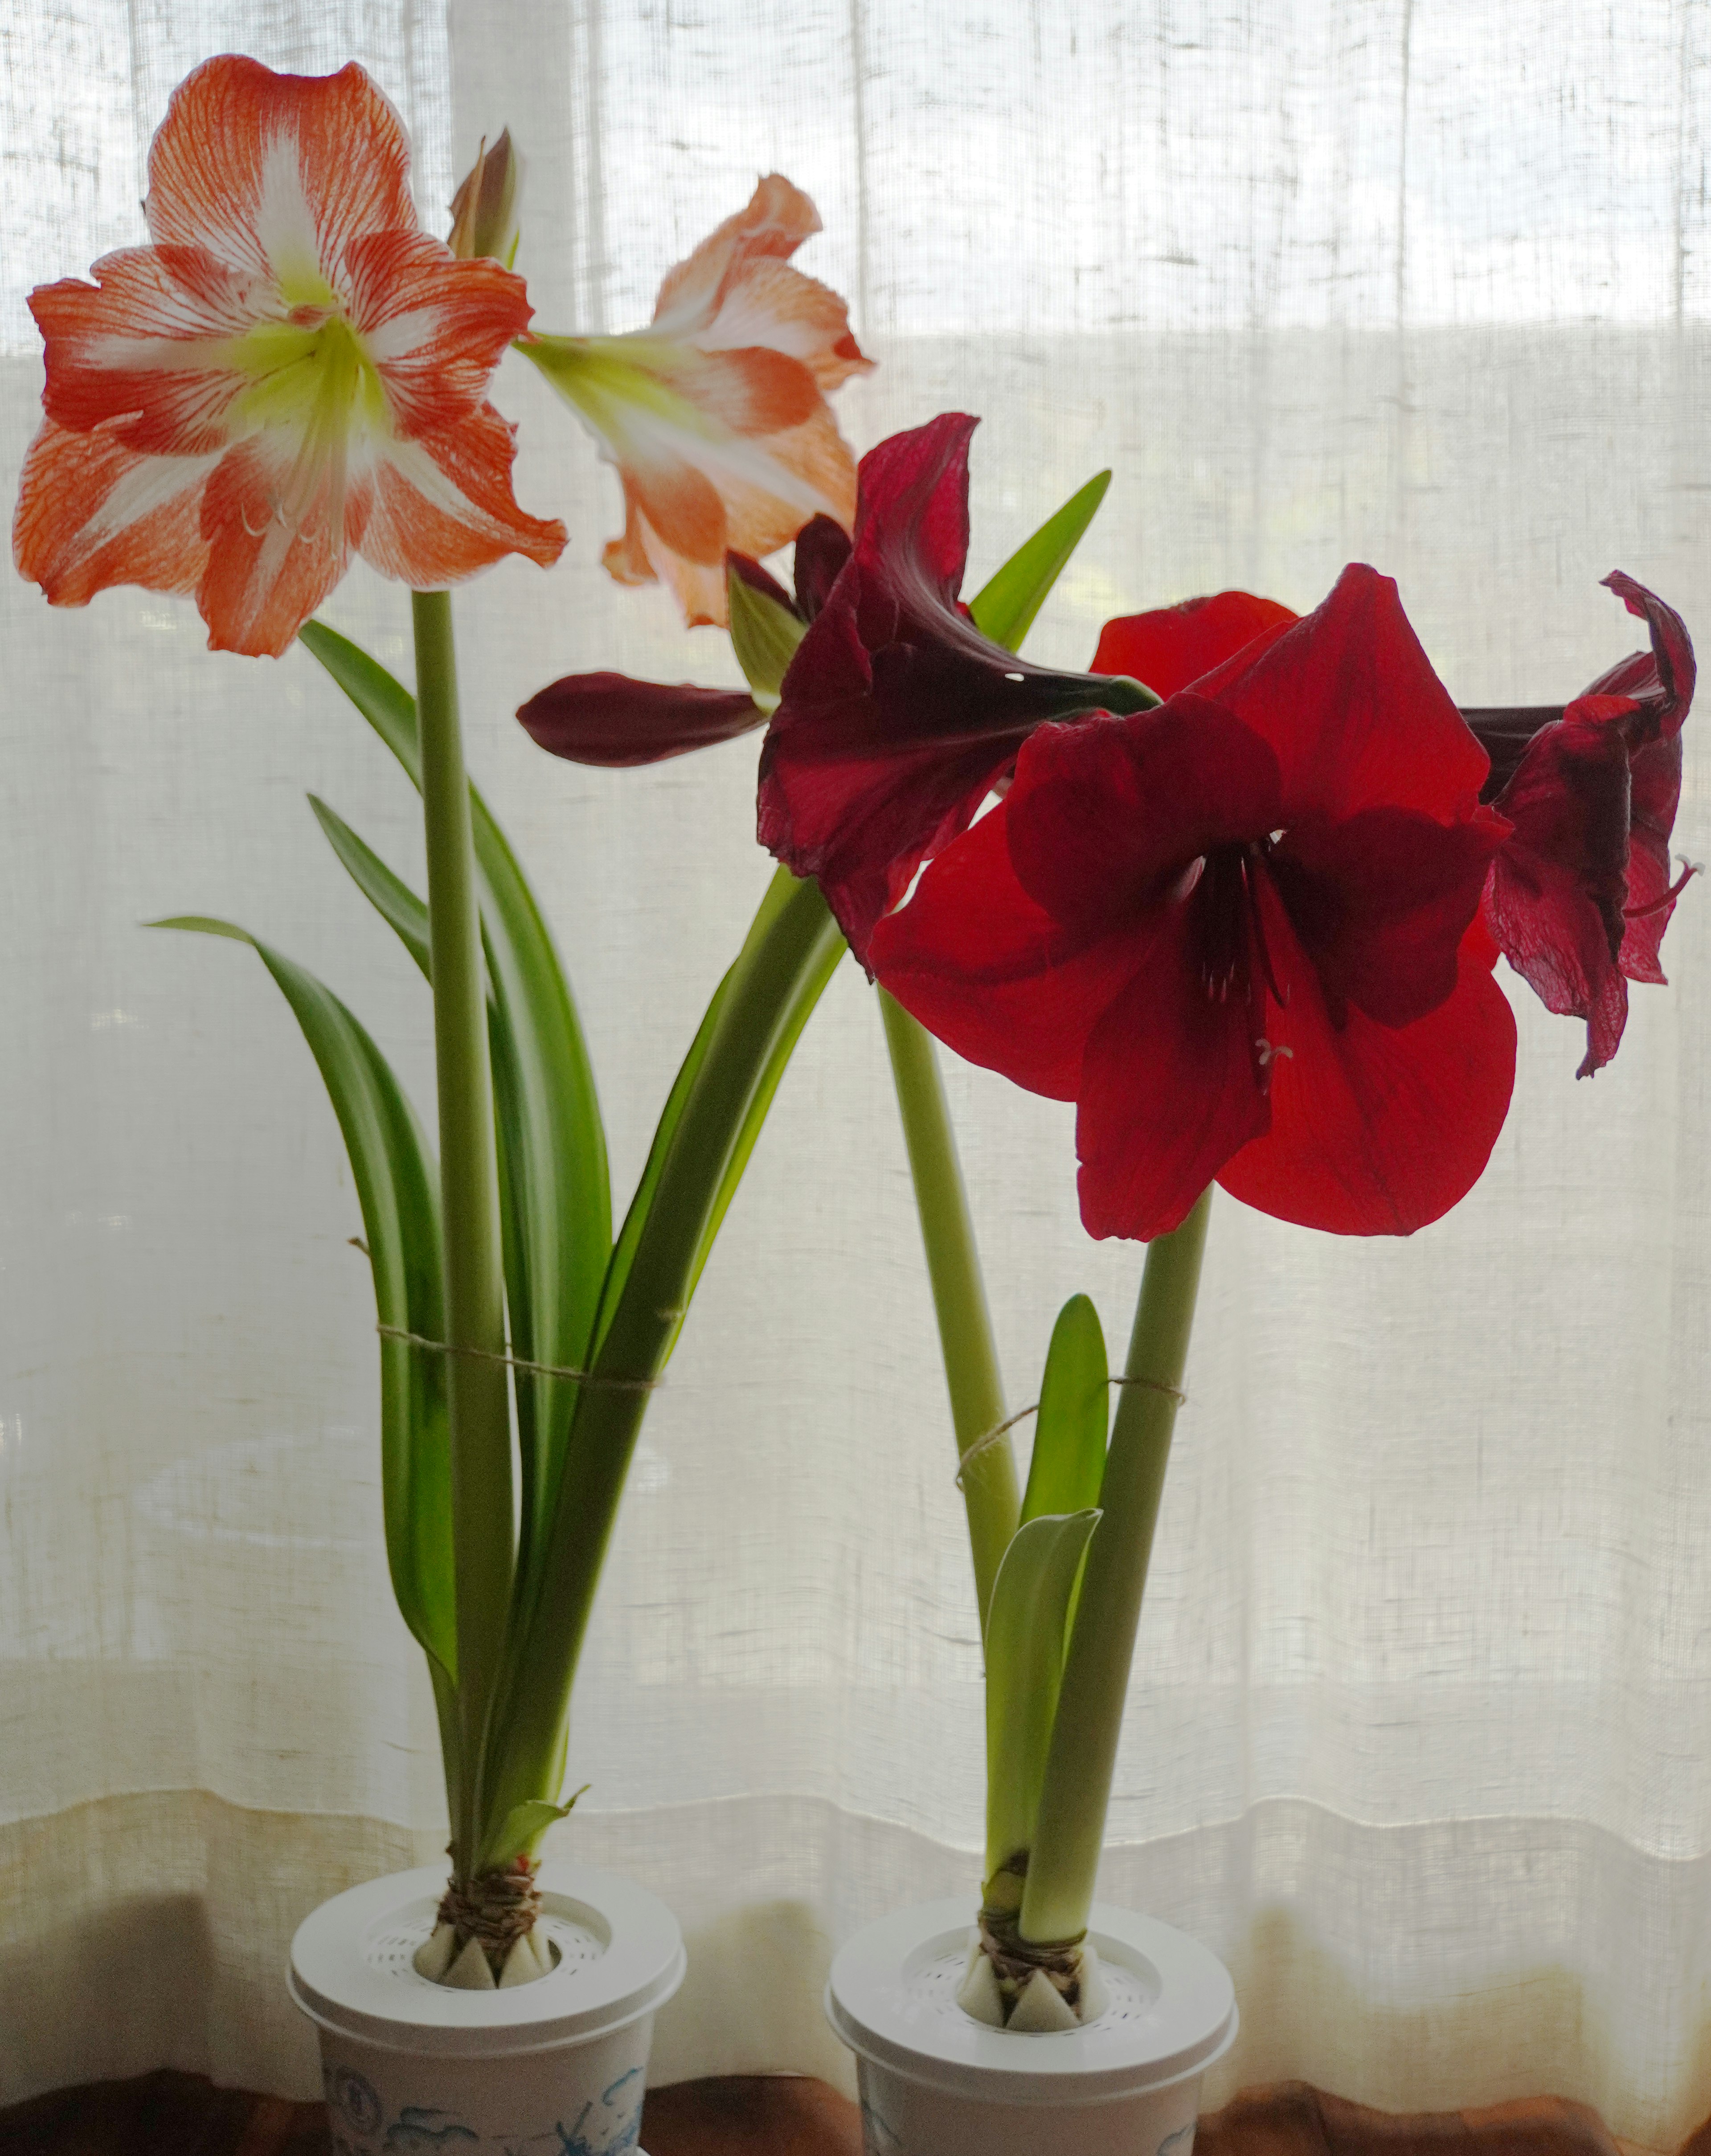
x=595, y=1377
x=988, y=1437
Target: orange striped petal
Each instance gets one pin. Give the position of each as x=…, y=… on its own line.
x=776, y=221
x=276, y=174
x=92, y=512
x=269, y=568
x=769, y=303
x=444, y=506
x=146, y=347
x=434, y=327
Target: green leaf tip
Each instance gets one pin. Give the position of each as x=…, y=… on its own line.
x=1005, y=607
x=764, y=635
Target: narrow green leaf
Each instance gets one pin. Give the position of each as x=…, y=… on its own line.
x=397, y=1190
x=523, y=1825
x=1025, y=1639
x=764, y=636
x=1005, y=607
x=1068, y=1461
x=391, y=897
x=554, y=1181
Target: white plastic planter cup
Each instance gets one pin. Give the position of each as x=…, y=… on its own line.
x=557, y=2067
x=935, y=2082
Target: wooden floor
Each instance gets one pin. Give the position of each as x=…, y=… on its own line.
x=170, y=2114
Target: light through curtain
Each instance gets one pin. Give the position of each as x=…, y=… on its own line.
x=1420, y=1737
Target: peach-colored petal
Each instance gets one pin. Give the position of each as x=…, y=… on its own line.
x=681, y=505
x=756, y=390
x=769, y=303
x=92, y=512
x=625, y=558
x=276, y=174
x=776, y=222
x=268, y=567
x=444, y=506
x=434, y=327
x=816, y=456
x=698, y=586
x=146, y=347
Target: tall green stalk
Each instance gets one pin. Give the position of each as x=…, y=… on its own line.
x=1058, y=1895
x=476, y=1378
x=970, y=1356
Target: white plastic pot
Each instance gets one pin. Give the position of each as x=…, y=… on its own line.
x=935, y=2082
x=557, y=2067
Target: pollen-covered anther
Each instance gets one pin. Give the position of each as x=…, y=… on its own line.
x=1269, y=1055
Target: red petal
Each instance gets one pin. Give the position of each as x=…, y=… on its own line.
x=918, y=482
x=1103, y=812
x=1664, y=675
x=1654, y=792
x=610, y=720
x=1557, y=891
x=1348, y=701
x=1172, y=646
x=822, y=549
x=1381, y=902
x=267, y=169
x=1376, y=1131
x=1167, y=1091
x=991, y=974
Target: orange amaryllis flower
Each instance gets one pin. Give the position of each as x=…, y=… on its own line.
x=292, y=373
x=716, y=414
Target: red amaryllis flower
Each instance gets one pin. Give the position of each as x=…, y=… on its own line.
x=1239, y=932
x=1580, y=895
x=292, y=373
x=613, y=720
x=897, y=716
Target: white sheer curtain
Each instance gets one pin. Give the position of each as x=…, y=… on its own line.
x=1420, y=1737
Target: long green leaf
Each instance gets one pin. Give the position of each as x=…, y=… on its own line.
x=391, y=898
x=554, y=1166
x=1068, y=1461
x=1005, y=607
x=396, y=1188
x=1025, y=1636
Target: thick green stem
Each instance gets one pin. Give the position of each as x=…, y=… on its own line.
x=789, y=956
x=989, y=1485
x=1065, y=1857
x=476, y=1379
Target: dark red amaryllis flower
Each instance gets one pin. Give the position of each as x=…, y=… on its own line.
x=614, y=720
x=1240, y=931
x=1580, y=895
x=897, y=716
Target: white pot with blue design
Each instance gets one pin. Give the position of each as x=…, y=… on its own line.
x=936, y=2082
x=555, y=2067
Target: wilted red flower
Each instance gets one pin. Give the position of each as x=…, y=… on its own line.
x=1580, y=895
x=1240, y=933
x=897, y=716
x=613, y=720
x=292, y=373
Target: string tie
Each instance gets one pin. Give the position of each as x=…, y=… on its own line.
x=988, y=1437
x=595, y=1377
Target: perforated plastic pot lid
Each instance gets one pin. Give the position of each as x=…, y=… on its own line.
x=892, y=1998
x=621, y=1956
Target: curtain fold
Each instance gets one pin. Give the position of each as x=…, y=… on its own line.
x=1419, y=1732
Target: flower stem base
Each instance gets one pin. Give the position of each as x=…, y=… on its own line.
x=1028, y=1985
x=485, y=1939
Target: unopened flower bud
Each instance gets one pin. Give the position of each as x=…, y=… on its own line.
x=484, y=208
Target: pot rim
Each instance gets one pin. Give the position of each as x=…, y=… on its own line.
x=334, y=1981
x=1191, y=2021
